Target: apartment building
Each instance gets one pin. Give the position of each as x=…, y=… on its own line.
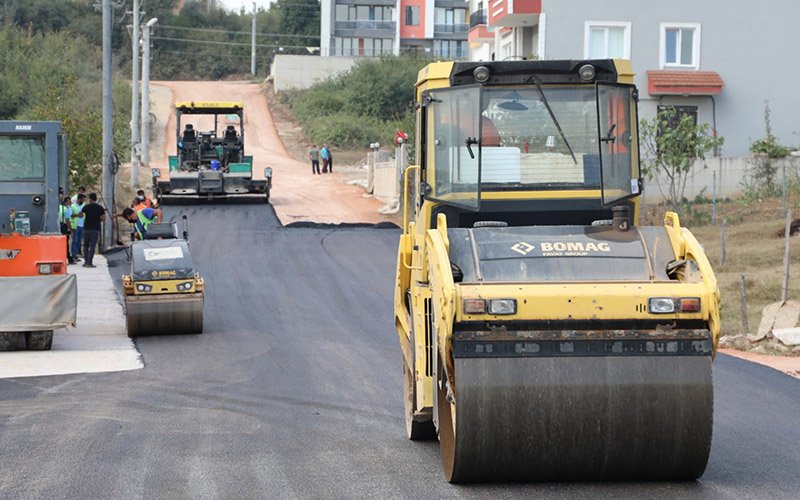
x=717, y=60
x=371, y=28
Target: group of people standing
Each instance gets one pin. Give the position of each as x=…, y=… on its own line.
x=327, y=159
x=141, y=214
x=80, y=222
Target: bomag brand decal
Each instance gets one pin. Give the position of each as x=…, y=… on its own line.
x=166, y=274
x=562, y=248
x=573, y=248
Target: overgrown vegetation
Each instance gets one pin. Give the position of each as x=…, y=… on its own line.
x=673, y=143
x=767, y=153
x=56, y=75
x=51, y=66
x=367, y=104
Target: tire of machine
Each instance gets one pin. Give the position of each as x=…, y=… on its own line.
x=8, y=341
x=39, y=341
x=570, y=418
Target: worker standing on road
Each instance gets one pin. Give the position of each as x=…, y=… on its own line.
x=142, y=219
x=77, y=224
x=65, y=221
x=327, y=159
x=93, y=215
x=314, y=156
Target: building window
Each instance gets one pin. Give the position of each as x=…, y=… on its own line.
x=450, y=49
x=412, y=15
x=607, y=40
x=680, y=45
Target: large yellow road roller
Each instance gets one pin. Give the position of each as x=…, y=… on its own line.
x=163, y=294
x=546, y=335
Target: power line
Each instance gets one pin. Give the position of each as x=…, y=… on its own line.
x=212, y=30
x=207, y=54
x=238, y=44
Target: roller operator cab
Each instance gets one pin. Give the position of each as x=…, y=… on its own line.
x=163, y=293
x=38, y=295
x=546, y=336
x=210, y=161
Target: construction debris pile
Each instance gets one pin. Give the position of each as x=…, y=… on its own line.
x=778, y=332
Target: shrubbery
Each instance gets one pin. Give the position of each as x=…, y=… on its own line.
x=364, y=105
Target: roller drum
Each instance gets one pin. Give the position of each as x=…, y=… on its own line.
x=578, y=418
x=164, y=314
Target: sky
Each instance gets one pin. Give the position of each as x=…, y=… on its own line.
x=248, y=4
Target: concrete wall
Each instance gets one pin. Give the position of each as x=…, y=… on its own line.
x=732, y=176
x=742, y=41
x=289, y=71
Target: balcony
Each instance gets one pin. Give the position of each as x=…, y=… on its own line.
x=365, y=25
x=478, y=18
x=450, y=28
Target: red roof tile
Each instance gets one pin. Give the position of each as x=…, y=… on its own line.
x=684, y=82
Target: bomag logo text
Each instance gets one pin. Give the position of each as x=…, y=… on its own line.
x=572, y=248
x=166, y=273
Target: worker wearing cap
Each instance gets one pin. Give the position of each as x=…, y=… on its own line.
x=142, y=219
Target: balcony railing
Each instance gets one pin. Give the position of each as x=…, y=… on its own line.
x=365, y=25
x=451, y=28
x=477, y=18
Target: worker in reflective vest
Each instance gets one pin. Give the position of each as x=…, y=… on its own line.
x=142, y=219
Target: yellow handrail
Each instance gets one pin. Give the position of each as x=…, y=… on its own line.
x=405, y=197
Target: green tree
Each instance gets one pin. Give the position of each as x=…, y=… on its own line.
x=672, y=148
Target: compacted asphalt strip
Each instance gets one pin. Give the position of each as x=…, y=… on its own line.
x=294, y=391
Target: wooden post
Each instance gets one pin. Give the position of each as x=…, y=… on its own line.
x=722, y=238
x=786, y=258
x=743, y=291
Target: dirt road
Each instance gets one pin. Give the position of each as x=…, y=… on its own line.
x=297, y=195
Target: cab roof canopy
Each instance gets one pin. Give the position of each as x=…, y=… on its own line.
x=521, y=72
x=209, y=108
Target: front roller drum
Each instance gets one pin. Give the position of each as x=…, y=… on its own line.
x=168, y=314
x=577, y=418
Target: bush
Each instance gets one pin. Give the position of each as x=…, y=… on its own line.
x=367, y=104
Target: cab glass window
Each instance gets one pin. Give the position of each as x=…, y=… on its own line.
x=454, y=131
x=21, y=158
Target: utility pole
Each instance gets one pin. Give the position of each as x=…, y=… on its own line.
x=108, y=132
x=145, y=148
x=135, y=98
x=253, y=44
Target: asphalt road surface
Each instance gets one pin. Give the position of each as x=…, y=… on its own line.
x=294, y=391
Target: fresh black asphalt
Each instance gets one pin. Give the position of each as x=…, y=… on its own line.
x=294, y=391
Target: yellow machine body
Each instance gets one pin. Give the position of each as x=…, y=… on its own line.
x=537, y=368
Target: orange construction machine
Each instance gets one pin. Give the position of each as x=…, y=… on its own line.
x=37, y=295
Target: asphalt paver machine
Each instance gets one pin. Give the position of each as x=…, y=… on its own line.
x=210, y=161
x=547, y=336
x=37, y=295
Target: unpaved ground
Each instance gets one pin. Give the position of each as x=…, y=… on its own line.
x=297, y=195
